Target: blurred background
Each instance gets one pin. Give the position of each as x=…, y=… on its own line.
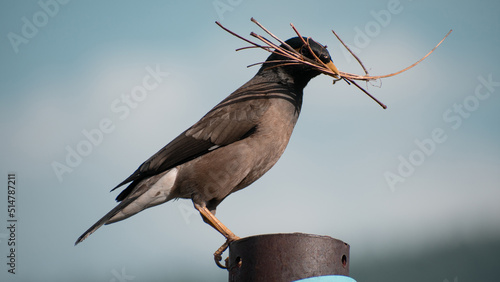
x=413, y=189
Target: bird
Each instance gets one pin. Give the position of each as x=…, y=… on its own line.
x=230, y=147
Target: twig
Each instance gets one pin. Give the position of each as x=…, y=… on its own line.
x=416, y=63
x=366, y=92
x=354, y=55
x=240, y=37
x=309, y=47
x=274, y=36
x=295, y=58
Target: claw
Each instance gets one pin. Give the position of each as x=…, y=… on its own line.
x=220, y=250
x=218, y=255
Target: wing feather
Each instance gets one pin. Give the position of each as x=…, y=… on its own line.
x=228, y=122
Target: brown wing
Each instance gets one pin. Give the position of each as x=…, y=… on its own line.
x=233, y=119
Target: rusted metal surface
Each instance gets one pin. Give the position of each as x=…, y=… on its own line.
x=286, y=257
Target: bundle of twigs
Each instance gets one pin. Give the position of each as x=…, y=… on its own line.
x=294, y=57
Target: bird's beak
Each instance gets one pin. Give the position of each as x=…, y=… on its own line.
x=333, y=68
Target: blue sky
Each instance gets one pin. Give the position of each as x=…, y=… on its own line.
x=65, y=77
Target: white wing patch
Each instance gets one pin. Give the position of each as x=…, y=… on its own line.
x=155, y=195
x=213, y=147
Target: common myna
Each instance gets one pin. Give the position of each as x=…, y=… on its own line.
x=233, y=145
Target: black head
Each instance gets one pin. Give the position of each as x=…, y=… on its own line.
x=301, y=71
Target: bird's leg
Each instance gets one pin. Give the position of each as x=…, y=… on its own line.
x=215, y=223
x=209, y=218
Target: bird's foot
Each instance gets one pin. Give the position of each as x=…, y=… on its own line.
x=221, y=249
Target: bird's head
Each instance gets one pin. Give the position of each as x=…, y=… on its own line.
x=313, y=59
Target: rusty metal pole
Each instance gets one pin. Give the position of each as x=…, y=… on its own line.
x=286, y=257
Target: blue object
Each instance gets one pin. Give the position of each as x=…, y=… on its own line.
x=328, y=278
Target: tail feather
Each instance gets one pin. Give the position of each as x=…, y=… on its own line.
x=149, y=192
x=105, y=219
